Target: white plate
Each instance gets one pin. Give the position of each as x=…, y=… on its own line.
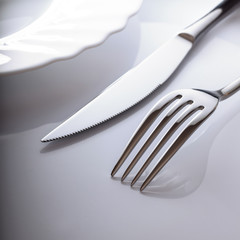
x=63, y=30
x=63, y=190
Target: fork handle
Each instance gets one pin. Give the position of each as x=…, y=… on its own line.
x=230, y=89
x=195, y=30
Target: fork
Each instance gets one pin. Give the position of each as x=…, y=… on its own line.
x=186, y=106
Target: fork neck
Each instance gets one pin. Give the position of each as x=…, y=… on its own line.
x=229, y=90
x=195, y=30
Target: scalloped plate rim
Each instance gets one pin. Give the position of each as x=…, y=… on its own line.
x=11, y=55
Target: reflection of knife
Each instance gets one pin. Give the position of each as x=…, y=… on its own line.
x=140, y=81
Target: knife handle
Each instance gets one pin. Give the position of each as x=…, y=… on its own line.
x=195, y=30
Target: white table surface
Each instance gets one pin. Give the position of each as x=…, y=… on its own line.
x=63, y=190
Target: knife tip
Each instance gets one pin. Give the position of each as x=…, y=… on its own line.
x=49, y=137
x=52, y=136
x=45, y=140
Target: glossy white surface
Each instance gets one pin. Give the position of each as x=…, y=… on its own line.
x=17, y=14
x=63, y=190
x=62, y=30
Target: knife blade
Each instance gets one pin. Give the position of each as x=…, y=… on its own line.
x=142, y=80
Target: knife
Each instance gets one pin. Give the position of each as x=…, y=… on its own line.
x=142, y=80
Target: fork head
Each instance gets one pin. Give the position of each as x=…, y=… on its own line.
x=172, y=119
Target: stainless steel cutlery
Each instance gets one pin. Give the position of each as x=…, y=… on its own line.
x=188, y=106
x=143, y=79
x=174, y=118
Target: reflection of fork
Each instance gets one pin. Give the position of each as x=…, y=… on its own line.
x=190, y=107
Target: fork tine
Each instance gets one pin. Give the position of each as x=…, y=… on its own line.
x=180, y=140
x=134, y=141
x=185, y=115
x=173, y=111
x=168, y=155
x=147, y=122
